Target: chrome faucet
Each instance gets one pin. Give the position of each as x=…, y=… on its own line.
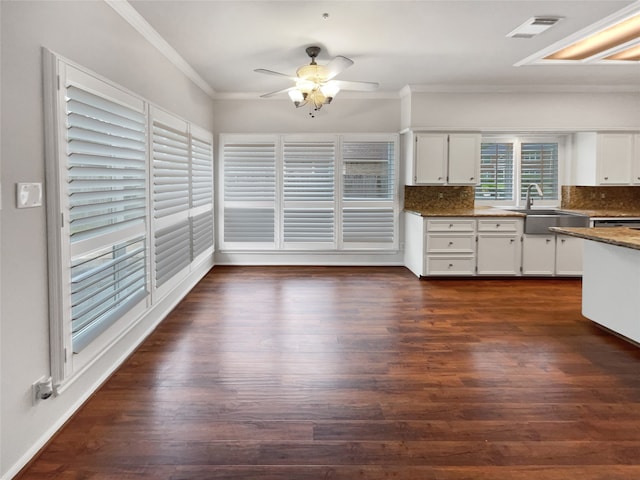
x=529, y=201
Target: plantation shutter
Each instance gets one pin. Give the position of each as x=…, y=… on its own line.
x=171, y=195
x=249, y=193
x=106, y=193
x=201, y=172
x=539, y=164
x=496, y=171
x=309, y=192
x=201, y=194
x=368, y=215
x=201, y=234
x=170, y=170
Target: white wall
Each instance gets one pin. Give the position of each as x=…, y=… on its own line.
x=346, y=114
x=94, y=35
x=525, y=111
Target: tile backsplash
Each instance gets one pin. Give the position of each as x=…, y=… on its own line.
x=437, y=197
x=616, y=197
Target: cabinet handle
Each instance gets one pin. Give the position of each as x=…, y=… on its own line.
x=497, y=225
x=439, y=178
x=548, y=240
x=606, y=178
x=450, y=243
x=562, y=240
x=451, y=225
x=471, y=178
x=511, y=241
x=451, y=265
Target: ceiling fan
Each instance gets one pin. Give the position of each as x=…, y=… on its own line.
x=315, y=84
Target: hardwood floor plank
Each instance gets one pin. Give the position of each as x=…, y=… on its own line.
x=300, y=373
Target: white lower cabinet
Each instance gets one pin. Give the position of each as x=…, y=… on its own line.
x=499, y=246
x=569, y=255
x=486, y=246
x=548, y=255
x=539, y=255
x=450, y=246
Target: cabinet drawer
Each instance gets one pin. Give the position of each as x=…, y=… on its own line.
x=451, y=225
x=498, y=225
x=450, y=265
x=440, y=243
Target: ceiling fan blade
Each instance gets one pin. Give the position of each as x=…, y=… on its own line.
x=337, y=65
x=356, y=86
x=277, y=74
x=271, y=94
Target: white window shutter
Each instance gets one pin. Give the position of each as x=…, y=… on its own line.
x=369, y=206
x=309, y=193
x=201, y=220
x=496, y=171
x=249, y=192
x=106, y=191
x=170, y=170
x=201, y=172
x=539, y=164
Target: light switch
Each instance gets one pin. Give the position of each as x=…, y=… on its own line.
x=28, y=195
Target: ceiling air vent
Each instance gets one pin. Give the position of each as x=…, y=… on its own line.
x=533, y=26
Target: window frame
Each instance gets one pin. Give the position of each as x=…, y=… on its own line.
x=517, y=139
x=338, y=203
x=67, y=366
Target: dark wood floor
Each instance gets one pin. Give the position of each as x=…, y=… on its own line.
x=309, y=373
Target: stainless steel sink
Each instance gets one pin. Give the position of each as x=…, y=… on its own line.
x=538, y=221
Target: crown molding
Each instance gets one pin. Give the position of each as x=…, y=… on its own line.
x=137, y=21
x=554, y=88
x=384, y=95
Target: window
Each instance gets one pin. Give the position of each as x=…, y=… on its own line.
x=105, y=185
x=368, y=216
x=130, y=210
x=539, y=164
x=182, y=174
x=249, y=191
x=309, y=192
x=509, y=165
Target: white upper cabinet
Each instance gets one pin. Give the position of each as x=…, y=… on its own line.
x=606, y=158
x=464, y=158
x=431, y=158
x=444, y=159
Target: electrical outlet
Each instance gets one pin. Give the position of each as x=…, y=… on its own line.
x=440, y=195
x=42, y=389
x=603, y=195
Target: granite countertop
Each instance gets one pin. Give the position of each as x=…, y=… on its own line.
x=604, y=213
x=465, y=212
x=620, y=236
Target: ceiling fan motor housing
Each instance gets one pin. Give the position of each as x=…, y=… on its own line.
x=313, y=52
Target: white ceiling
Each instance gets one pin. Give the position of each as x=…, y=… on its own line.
x=456, y=44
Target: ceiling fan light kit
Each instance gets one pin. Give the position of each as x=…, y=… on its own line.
x=314, y=84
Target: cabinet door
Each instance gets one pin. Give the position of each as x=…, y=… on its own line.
x=569, y=256
x=431, y=158
x=498, y=254
x=539, y=255
x=454, y=265
x=464, y=158
x=614, y=154
x=414, y=248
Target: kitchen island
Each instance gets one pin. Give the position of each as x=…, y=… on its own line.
x=611, y=278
